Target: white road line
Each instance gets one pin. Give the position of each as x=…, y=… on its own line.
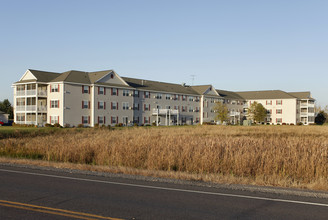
x=169, y=189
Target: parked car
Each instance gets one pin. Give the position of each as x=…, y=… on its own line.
x=1, y=123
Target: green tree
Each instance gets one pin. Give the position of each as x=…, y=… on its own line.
x=222, y=113
x=257, y=112
x=321, y=117
x=6, y=107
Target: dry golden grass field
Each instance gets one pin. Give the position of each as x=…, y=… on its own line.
x=287, y=156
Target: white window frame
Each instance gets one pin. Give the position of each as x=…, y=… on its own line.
x=101, y=105
x=54, y=103
x=54, y=87
x=85, y=104
x=125, y=105
x=54, y=119
x=101, y=90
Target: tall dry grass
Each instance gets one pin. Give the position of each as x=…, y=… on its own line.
x=267, y=155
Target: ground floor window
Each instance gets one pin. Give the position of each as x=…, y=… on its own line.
x=85, y=119
x=54, y=119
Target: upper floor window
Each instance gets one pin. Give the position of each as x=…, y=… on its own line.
x=126, y=92
x=86, y=89
x=158, y=96
x=279, y=111
x=101, y=91
x=269, y=102
x=167, y=96
x=85, y=104
x=136, y=93
x=54, y=104
x=125, y=105
x=184, y=98
x=279, y=102
x=54, y=88
x=114, y=91
x=146, y=94
x=191, y=98
x=191, y=109
x=101, y=105
x=114, y=105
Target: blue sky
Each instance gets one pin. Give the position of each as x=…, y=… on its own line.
x=235, y=45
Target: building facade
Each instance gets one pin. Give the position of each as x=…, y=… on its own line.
x=105, y=98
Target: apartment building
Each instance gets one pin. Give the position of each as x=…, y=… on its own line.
x=105, y=98
x=283, y=107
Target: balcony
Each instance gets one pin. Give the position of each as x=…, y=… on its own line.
x=165, y=111
x=304, y=113
x=20, y=108
x=42, y=92
x=31, y=108
x=30, y=92
x=20, y=93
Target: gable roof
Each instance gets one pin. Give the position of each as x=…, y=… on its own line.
x=41, y=76
x=95, y=76
x=159, y=86
x=229, y=94
x=267, y=94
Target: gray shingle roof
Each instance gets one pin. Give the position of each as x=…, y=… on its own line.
x=268, y=94
x=229, y=94
x=73, y=76
x=159, y=86
x=301, y=95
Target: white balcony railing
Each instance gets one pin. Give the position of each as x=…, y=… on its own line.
x=20, y=93
x=165, y=111
x=42, y=92
x=304, y=113
x=31, y=108
x=31, y=92
x=20, y=108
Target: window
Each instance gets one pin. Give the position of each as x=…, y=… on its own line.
x=101, y=105
x=146, y=95
x=114, y=91
x=54, y=88
x=125, y=120
x=101, y=91
x=114, y=105
x=146, y=120
x=136, y=106
x=176, y=107
x=85, y=104
x=136, y=93
x=85, y=119
x=197, y=120
x=184, y=98
x=191, y=109
x=125, y=105
x=146, y=107
x=279, y=102
x=158, y=96
x=197, y=109
x=167, y=107
x=278, y=111
x=183, y=108
x=114, y=120
x=86, y=89
x=54, y=119
x=20, y=116
x=101, y=120
x=278, y=120
x=269, y=102
x=126, y=92
x=54, y=104
x=191, y=98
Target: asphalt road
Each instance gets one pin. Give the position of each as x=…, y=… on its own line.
x=40, y=194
